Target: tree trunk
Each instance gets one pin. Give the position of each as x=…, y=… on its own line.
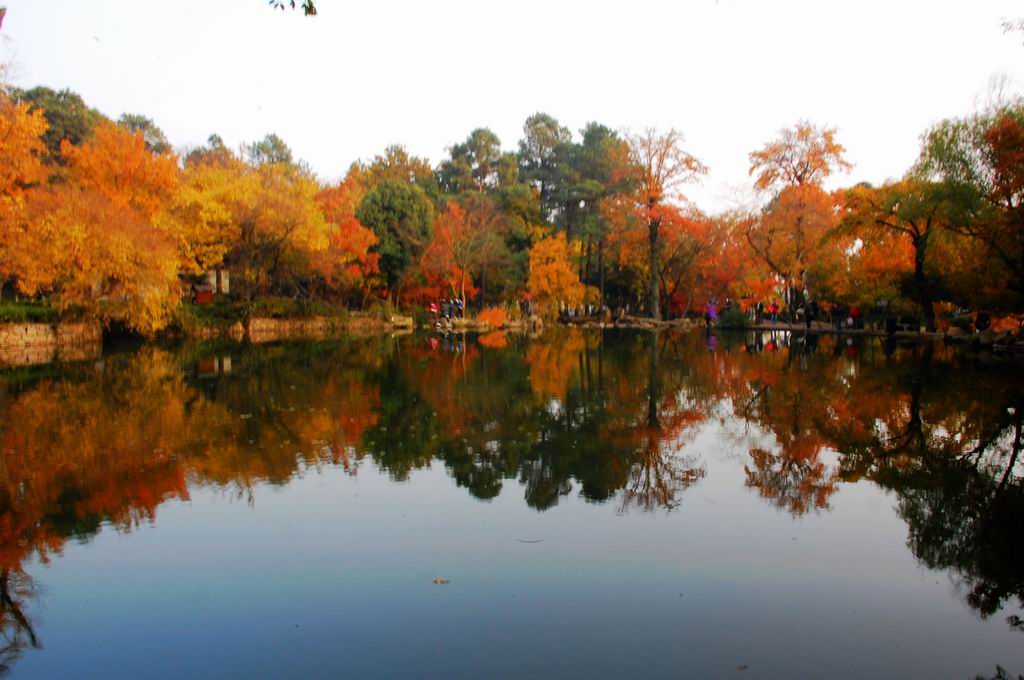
x=462, y=292
x=653, y=300
x=653, y=382
x=921, y=290
x=586, y=278
x=600, y=267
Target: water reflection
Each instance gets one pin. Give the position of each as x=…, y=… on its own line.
x=612, y=417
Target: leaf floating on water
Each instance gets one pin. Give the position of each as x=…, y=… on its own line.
x=740, y=669
x=246, y=416
x=440, y=581
x=530, y=540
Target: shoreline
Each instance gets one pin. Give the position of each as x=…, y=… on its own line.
x=34, y=344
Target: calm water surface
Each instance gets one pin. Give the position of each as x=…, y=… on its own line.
x=610, y=506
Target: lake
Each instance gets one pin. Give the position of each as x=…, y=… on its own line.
x=578, y=504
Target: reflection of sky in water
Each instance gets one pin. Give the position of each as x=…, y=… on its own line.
x=328, y=571
x=333, y=575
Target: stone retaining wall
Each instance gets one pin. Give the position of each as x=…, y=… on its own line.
x=235, y=331
x=27, y=344
x=270, y=330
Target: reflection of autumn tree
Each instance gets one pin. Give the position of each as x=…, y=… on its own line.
x=791, y=479
x=467, y=402
x=961, y=517
x=603, y=416
x=79, y=452
x=309, y=404
x=109, y=443
x=572, y=443
x=567, y=417
x=96, y=447
x=654, y=421
x=784, y=394
x=554, y=361
x=918, y=422
x=896, y=412
x=952, y=455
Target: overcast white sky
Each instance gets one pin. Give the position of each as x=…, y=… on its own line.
x=362, y=75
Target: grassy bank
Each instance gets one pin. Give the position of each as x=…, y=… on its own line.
x=27, y=312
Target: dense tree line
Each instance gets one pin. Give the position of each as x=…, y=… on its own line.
x=103, y=218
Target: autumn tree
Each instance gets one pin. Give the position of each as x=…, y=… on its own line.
x=686, y=244
x=913, y=209
x=863, y=265
x=981, y=158
x=726, y=267
x=801, y=155
x=348, y=264
x=22, y=149
x=792, y=168
x=282, y=230
x=262, y=221
x=682, y=249
x=117, y=164
x=207, y=212
x=95, y=240
x=463, y=243
x=787, y=234
x=553, y=280
x=660, y=166
x=490, y=243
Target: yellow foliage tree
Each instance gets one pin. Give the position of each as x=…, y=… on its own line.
x=262, y=221
x=205, y=215
x=553, y=279
x=282, y=227
x=21, y=168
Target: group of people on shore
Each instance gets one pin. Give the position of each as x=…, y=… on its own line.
x=807, y=313
x=758, y=311
x=445, y=313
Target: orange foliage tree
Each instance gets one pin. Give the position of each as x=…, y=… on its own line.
x=348, y=265
x=787, y=234
x=448, y=257
x=912, y=210
x=660, y=166
x=467, y=239
x=683, y=242
x=94, y=242
x=726, y=267
x=553, y=280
